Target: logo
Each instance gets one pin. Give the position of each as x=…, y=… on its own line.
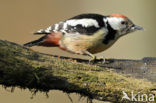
x=138, y=97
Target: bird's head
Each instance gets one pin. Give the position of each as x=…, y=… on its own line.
x=122, y=24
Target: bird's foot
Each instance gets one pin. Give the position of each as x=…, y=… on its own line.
x=102, y=58
x=92, y=60
x=95, y=59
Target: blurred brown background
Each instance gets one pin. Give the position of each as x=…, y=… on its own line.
x=20, y=18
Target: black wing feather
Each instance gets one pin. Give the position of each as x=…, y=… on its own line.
x=78, y=28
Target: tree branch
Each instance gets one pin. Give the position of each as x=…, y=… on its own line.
x=24, y=68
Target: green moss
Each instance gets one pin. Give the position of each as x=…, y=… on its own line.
x=27, y=69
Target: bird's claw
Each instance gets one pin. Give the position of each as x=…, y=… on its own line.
x=96, y=59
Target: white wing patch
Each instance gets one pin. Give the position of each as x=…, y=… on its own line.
x=48, y=29
x=42, y=31
x=39, y=31
x=63, y=26
x=56, y=27
x=83, y=22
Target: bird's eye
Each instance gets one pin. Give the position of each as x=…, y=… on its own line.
x=123, y=22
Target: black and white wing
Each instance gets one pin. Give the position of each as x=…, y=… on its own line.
x=82, y=24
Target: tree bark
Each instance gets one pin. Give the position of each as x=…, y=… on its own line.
x=24, y=68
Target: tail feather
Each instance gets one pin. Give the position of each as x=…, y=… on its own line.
x=35, y=42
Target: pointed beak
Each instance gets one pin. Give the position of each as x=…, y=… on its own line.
x=135, y=27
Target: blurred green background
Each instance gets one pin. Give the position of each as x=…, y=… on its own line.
x=20, y=18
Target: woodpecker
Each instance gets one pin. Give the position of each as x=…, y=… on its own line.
x=85, y=34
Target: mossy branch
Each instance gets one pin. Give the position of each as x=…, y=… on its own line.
x=24, y=68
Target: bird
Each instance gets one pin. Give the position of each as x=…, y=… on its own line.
x=85, y=34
